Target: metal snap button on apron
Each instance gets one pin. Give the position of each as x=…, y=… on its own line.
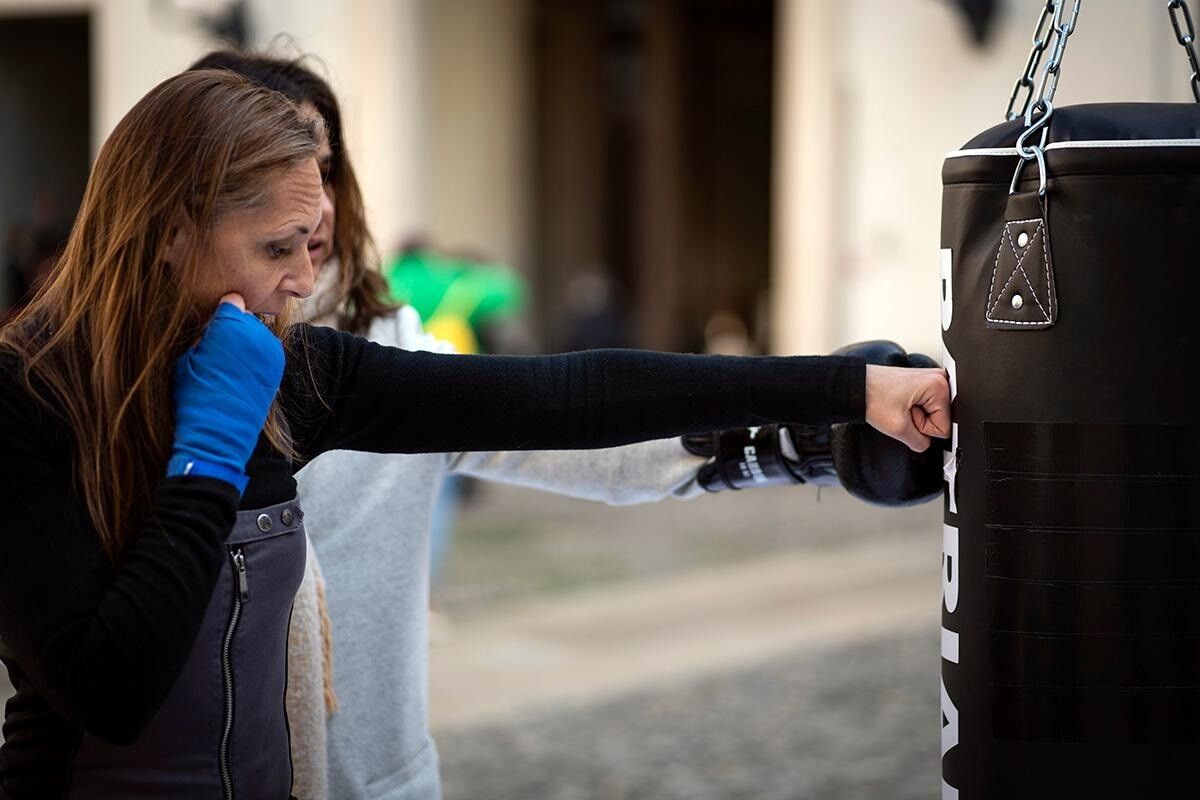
x=264, y=522
x=1022, y=240
x=287, y=516
x=1017, y=302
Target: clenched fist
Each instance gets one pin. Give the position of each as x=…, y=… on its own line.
x=908, y=404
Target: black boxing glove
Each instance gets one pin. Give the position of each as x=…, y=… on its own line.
x=870, y=465
x=873, y=466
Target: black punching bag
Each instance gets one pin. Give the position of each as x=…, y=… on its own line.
x=1071, y=566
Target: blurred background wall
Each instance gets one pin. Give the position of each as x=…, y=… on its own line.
x=720, y=174
x=774, y=161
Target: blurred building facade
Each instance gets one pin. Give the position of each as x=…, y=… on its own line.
x=776, y=161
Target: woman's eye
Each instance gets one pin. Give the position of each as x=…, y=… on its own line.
x=275, y=251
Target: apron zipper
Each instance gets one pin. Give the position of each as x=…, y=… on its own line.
x=241, y=594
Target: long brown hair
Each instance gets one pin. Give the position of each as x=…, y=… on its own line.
x=360, y=285
x=99, y=340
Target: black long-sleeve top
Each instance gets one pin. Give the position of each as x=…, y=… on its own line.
x=95, y=647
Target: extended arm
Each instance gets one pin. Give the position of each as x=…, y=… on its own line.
x=380, y=399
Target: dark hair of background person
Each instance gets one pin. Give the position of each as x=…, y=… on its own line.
x=359, y=280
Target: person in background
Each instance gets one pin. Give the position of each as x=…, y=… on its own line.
x=461, y=299
x=360, y=719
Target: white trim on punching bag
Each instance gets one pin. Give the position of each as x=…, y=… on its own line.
x=1096, y=144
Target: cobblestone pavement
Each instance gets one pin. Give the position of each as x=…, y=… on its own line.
x=852, y=723
x=855, y=719
x=514, y=544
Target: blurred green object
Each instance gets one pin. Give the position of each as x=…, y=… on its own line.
x=456, y=298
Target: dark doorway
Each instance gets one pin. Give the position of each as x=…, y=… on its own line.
x=44, y=140
x=654, y=125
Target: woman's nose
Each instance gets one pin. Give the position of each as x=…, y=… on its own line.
x=300, y=281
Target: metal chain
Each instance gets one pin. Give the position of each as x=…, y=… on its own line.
x=1059, y=32
x=1048, y=85
x=1037, y=93
x=1026, y=81
x=1185, y=33
x=1039, y=105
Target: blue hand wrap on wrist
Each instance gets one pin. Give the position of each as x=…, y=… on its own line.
x=224, y=387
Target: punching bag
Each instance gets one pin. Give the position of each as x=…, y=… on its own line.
x=1071, y=560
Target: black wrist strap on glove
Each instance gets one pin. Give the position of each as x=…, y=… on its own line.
x=768, y=455
x=808, y=449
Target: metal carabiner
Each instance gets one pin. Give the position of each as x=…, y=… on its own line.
x=1043, y=123
x=1039, y=155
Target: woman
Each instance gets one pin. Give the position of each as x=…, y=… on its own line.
x=143, y=616
x=368, y=516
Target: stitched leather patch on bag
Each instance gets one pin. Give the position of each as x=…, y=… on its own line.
x=1022, y=295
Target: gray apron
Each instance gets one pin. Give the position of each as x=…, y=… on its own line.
x=222, y=731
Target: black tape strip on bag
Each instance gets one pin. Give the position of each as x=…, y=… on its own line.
x=1093, y=609
x=1096, y=662
x=1112, y=556
x=1114, y=716
x=1110, y=503
x=1046, y=448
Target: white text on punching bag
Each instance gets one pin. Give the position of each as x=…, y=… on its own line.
x=950, y=565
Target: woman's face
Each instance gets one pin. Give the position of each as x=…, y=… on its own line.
x=263, y=253
x=320, y=246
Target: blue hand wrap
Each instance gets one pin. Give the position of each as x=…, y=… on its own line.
x=223, y=389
